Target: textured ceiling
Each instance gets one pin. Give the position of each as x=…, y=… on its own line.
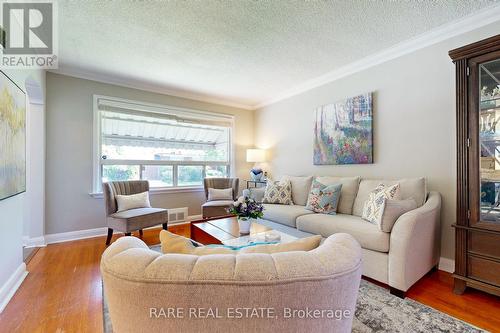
x=244, y=52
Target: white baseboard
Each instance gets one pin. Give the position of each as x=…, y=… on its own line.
x=75, y=235
x=447, y=265
x=89, y=233
x=34, y=241
x=10, y=287
x=194, y=217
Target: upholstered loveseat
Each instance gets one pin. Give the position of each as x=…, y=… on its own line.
x=399, y=258
x=152, y=292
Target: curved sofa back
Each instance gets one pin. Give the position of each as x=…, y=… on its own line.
x=154, y=292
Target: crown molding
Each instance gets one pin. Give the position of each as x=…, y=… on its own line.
x=477, y=20
x=135, y=84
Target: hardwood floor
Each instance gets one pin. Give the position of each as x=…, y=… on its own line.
x=63, y=291
x=474, y=306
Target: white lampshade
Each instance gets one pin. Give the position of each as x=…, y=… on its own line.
x=256, y=155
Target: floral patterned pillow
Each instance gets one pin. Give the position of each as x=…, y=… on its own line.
x=278, y=193
x=375, y=205
x=323, y=198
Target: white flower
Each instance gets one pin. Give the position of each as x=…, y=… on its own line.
x=243, y=205
x=241, y=199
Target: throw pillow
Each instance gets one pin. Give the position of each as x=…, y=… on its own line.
x=322, y=198
x=374, y=206
x=172, y=243
x=220, y=194
x=278, y=193
x=393, y=209
x=301, y=244
x=126, y=202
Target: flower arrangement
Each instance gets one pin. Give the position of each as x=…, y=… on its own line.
x=247, y=208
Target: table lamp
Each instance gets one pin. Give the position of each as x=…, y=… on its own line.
x=256, y=156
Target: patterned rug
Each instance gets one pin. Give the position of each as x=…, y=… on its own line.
x=379, y=311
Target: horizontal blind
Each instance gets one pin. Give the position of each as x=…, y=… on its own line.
x=133, y=131
x=165, y=112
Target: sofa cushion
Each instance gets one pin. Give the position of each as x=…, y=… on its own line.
x=300, y=188
x=138, y=218
x=255, y=193
x=216, y=208
x=414, y=188
x=284, y=214
x=366, y=233
x=347, y=193
x=138, y=213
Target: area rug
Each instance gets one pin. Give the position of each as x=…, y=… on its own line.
x=379, y=311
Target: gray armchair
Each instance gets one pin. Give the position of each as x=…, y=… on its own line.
x=219, y=207
x=132, y=219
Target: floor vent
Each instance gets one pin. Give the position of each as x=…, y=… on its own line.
x=177, y=215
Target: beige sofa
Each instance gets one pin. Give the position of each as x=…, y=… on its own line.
x=139, y=283
x=399, y=258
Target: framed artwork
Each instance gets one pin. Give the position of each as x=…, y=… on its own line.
x=12, y=138
x=343, y=132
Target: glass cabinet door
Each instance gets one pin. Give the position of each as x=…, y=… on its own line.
x=489, y=141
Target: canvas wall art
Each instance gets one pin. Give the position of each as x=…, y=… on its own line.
x=343, y=132
x=12, y=138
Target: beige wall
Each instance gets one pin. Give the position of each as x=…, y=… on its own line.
x=414, y=124
x=16, y=218
x=69, y=206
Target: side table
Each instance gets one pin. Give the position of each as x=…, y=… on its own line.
x=256, y=183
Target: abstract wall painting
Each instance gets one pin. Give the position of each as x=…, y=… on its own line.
x=12, y=138
x=343, y=132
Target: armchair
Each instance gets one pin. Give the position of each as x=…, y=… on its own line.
x=133, y=219
x=219, y=207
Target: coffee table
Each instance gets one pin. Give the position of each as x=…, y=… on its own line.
x=226, y=231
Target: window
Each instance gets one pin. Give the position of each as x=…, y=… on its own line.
x=169, y=147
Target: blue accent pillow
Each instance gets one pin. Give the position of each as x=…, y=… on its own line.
x=323, y=198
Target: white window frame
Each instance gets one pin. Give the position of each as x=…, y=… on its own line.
x=97, y=162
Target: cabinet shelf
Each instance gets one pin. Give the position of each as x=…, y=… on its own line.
x=490, y=139
x=496, y=98
x=489, y=109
